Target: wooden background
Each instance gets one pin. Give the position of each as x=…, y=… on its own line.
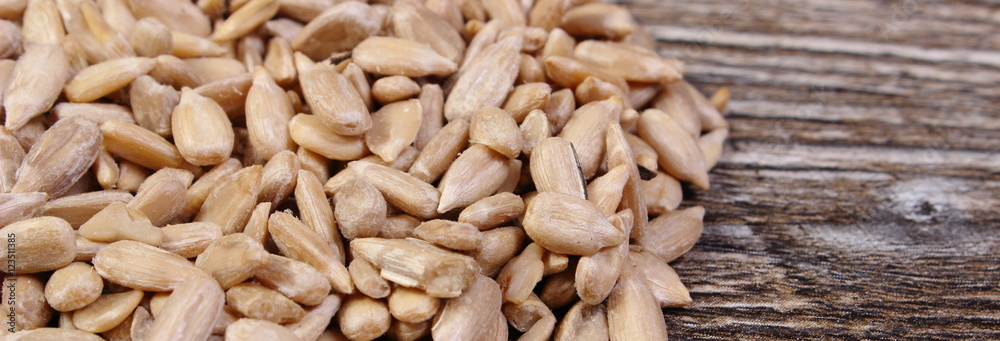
x=859, y=195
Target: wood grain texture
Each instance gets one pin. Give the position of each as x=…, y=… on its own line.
x=859, y=195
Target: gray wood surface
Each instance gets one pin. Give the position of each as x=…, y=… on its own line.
x=859, y=194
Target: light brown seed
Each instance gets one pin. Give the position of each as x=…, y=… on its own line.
x=645, y=155
x=216, y=68
x=98, y=80
x=508, y=12
x=601, y=20
x=173, y=71
x=554, y=262
x=441, y=151
x=16, y=207
x=278, y=177
x=555, y=168
x=43, y=244
x=567, y=224
x=42, y=23
x=361, y=83
x=399, y=226
x=619, y=153
x=530, y=316
x=107, y=311
x=593, y=89
x=481, y=36
x=450, y=234
x=711, y=145
x=414, y=21
x=559, y=290
x=569, y=73
x=10, y=39
x=404, y=331
x=518, y=278
x=339, y=28
x=140, y=266
x=366, y=278
x=258, y=302
x=630, y=62
x=395, y=127
x=596, y=274
x=547, y=13
x=309, y=131
x=229, y=93
x=34, y=84
x=587, y=130
x=163, y=195
x=674, y=233
x=59, y=158
x=250, y=52
x=280, y=60
x=230, y=203
x=412, y=305
x=531, y=70
x=396, y=56
x=232, y=259
x=184, y=18
x=606, y=191
x=402, y=190
x=28, y=310
x=432, y=101
x=97, y=112
x=77, y=209
x=487, y=79
x=190, y=311
x=316, y=212
x=317, y=319
x=394, y=88
x=106, y=170
x=525, y=98
x=148, y=36
x=496, y=129
x=474, y=175
x=584, y=322
x=296, y=280
x=467, y=316
x=663, y=193
x=633, y=313
x=678, y=151
x=498, y=246
x=297, y=241
x=682, y=96
x=314, y=163
x=250, y=328
x=720, y=100
x=118, y=222
x=133, y=143
x=245, y=19
x=333, y=99
x=534, y=39
x=494, y=210
x=152, y=104
x=191, y=239
x=660, y=278
x=73, y=287
x=201, y=129
x=268, y=111
x=11, y=156
x=363, y=318
x=141, y=321
x=86, y=249
x=560, y=108
x=641, y=94
x=534, y=129
x=415, y=263
x=199, y=191
x=360, y=209
x=449, y=11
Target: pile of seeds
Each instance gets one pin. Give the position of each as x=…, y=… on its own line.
x=327, y=170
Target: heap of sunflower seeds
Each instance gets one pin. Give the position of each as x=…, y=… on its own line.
x=328, y=170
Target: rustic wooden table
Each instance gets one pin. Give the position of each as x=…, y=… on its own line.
x=859, y=195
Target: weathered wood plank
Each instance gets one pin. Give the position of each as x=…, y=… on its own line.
x=859, y=195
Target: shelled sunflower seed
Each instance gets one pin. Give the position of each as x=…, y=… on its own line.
x=327, y=170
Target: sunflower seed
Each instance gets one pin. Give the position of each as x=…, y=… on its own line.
x=402, y=190
x=15, y=207
x=59, y=158
x=674, y=233
x=297, y=241
x=140, y=266
x=496, y=129
x=231, y=201
x=190, y=311
x=73, y=287
x=366, y=278
x=396, y=56
x=245, y=19
x=474, y=175
x=339, y=28
x=679, y=154
x=584, y=322
x=34, y=84
x=415, y=263
x=486, y=81
x=567, y=224
x=363, y=318
x=441, y=151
